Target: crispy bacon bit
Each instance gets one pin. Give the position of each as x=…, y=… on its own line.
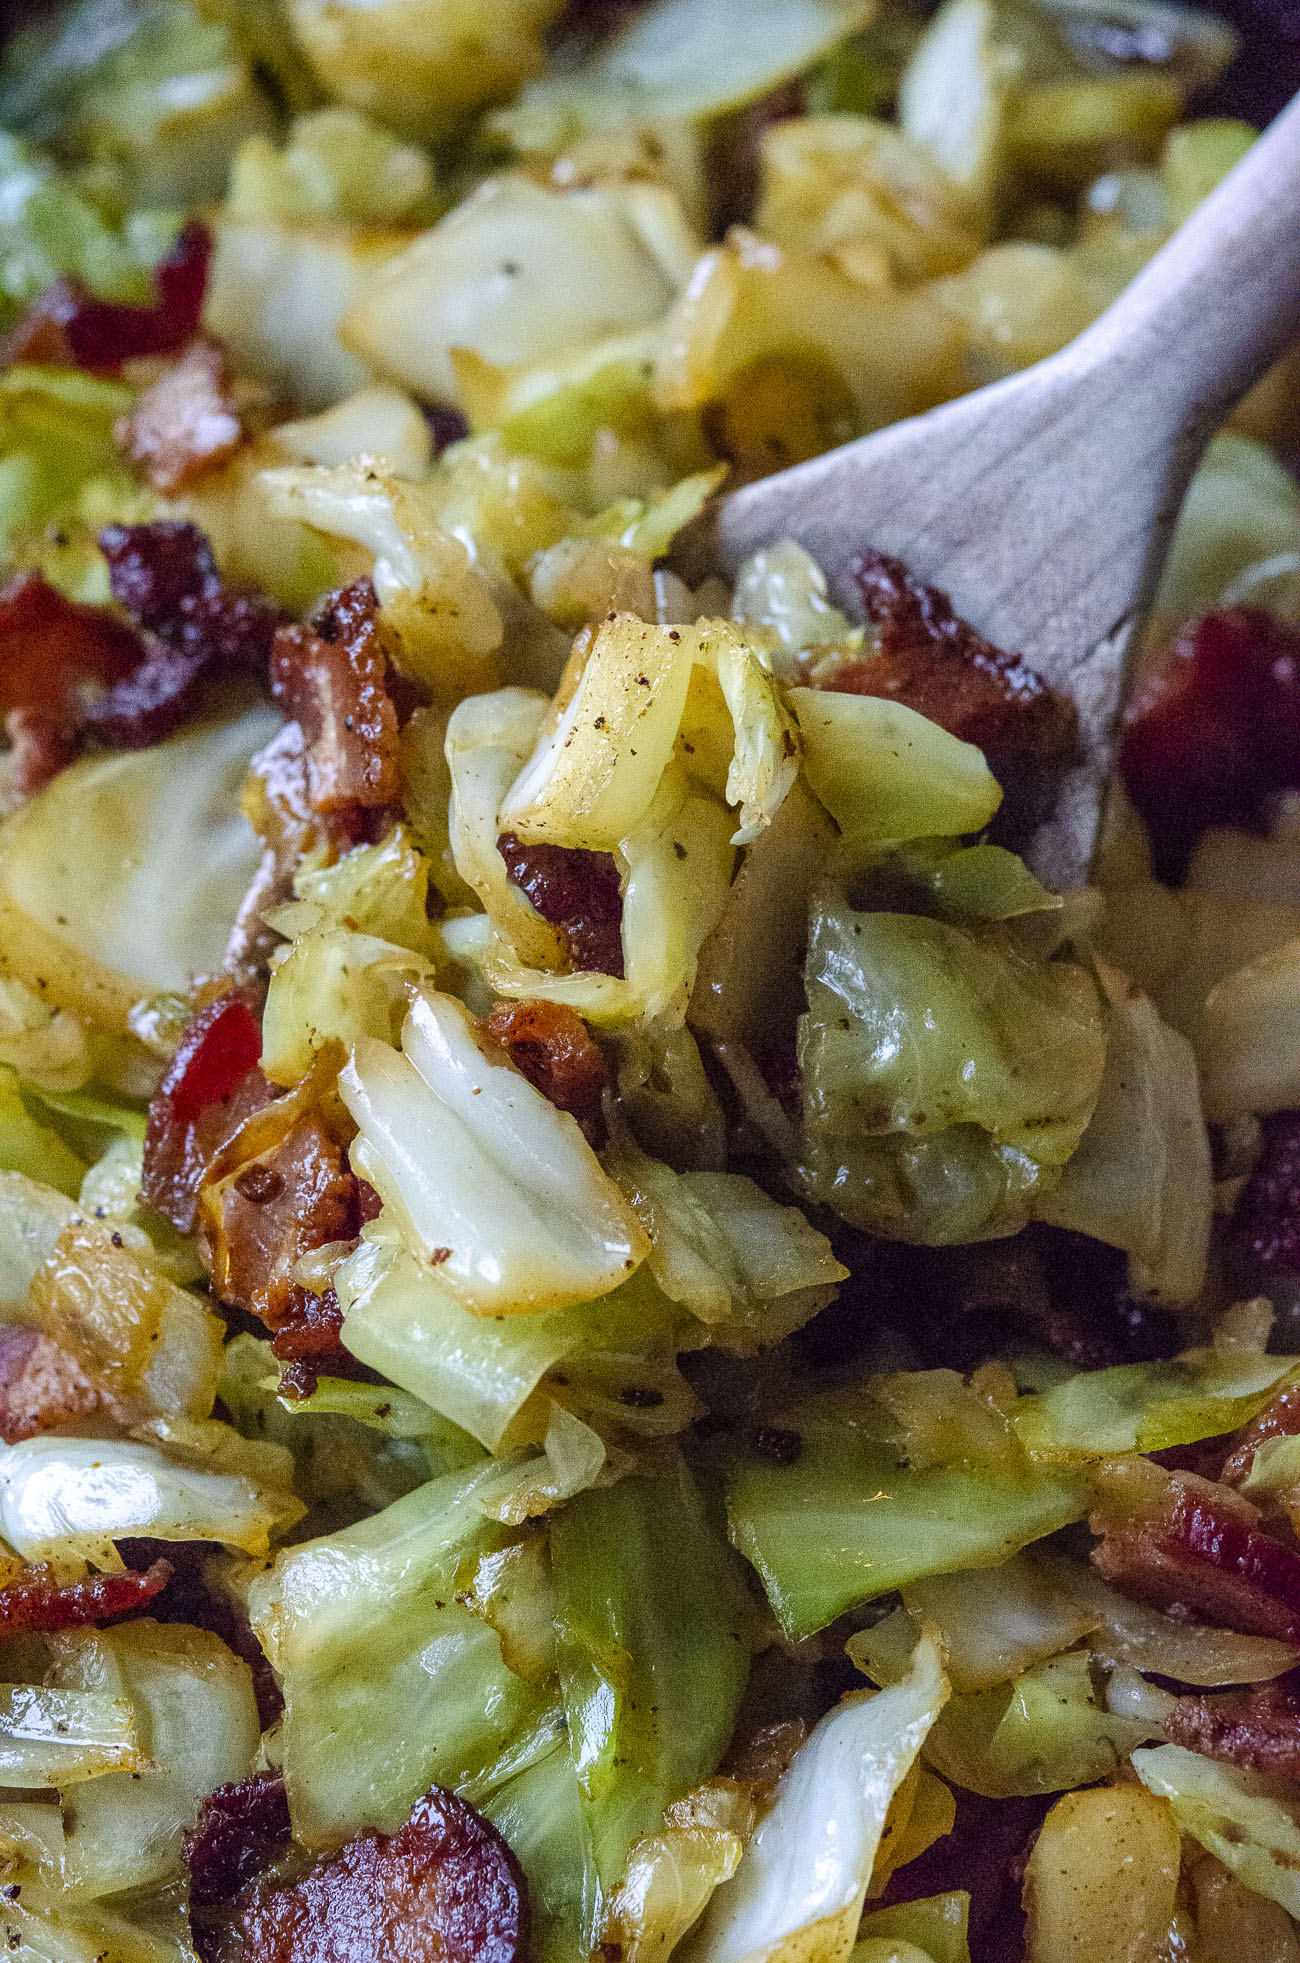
x=935, y=662
x=577, y=892
x=552, y=1047
x=165, y=577
x=333, y=682
x=1258, y=1728
x=444, y=1889
x=1266, y=1222
x=240, y=1830
x=42, y=742
x=67, y=327
x=1205, y=1559
x=185, y=424
x=49, y=645
x=1214, y=730
x=296, y=1195
x=1280, y=1418
x=38, y=1603
x=41, y=1385
x=212, y=1084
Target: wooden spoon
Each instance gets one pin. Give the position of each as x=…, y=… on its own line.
x=1044, y=504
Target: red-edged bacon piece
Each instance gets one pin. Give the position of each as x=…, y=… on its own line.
x=935, y=662
x=240, y=1830
x=332, y=679
x=212, y=1084
x=1204, y=1558
x=550, y=1044
x=50, y=645
x=1280, y=1418
x=444, y=1888
x=576, y=891
x=1258, y=1727
x=42, y=1386
x=293, y=1196
x=66, y=326
x=184, y=424
x=38, y=1603
x=1213, y=730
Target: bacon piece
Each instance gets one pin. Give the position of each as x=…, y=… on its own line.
x=67, y=327
x=1204, y=1558
x=444, y=1888
x=935, y=662
x=163, y=693
x=42, y=742
x=212, y=1084
x=552, y=1047
x=1214, y=730
x=185, y=424
x=294, y=1195
x=576, y=891
x=1266, y=1221
x=41, y=1385
x=332, y=681
x=240, y=1830
x=49, y=645
x=38, y=1603
x=1258, y=1728
x=1280, y=1418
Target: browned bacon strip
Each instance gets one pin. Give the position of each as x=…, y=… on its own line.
x=185, y=423
x=1258, y=1728
x=578, y=892
x=41, y=1385
x=1204, y=1557
x=444, y=1888
x=240, y=1829
x=550, y=1044
x=332, y=680
x=1280, y=1418
x=36, y=1602
x=212, y=1084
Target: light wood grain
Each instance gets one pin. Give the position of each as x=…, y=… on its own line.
x=1044, y=504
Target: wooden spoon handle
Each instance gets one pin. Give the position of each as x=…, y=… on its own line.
x=1212, y=310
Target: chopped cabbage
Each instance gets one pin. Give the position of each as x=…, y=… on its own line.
x=430, y=593
x=30, y=1148
x=539, y=1811
x=422, y=66
x=1147, y=1407
x=943, y=1133
x=147, y=901
x=935, y=1925
x=482, y=1371
x=952, y=99
x=672, y=1875
x=679, y=59
x=32, y=1217
x=277, y=291
x=111, y=1191
x=784, y=588
x=886, y=773
x=848, y=1520
x=997, y=1622
x=391, y=1683
x=726, y=1251
x=337, y=164
x=1103, y=1875
x=196, y=1719
x=447, y=1131
x=61, y=476
x=66, y=1500
x=376, y=422
x=1140, y=1178
x=521, y=274
x=49, y=230
x=1234, y=1814
x=652, y=1654
x=849, y=184
x=60, y=1737
x=333, y=987
x=152, y=1347
x=801, y=1885
x=1247, y=1045
x=1241, y=507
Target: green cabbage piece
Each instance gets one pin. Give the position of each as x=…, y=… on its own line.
x=1148, y=1407
x=336, y=164
x=849, y=1520
x=541, y=1815
x=156, y=94
x=886, y=773
x=31, y=1147
x=653, y=1658
x=61, y=477
x=947, y=1074
x=391, y=1683
x=936, y=1925
x=48, y=227
x=356, y=1447
x=1238, y=1816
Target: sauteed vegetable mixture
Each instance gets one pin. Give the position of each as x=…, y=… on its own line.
x=621, y=1338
